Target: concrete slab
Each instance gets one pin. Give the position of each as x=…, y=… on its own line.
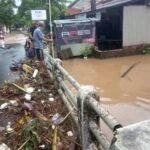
x=133, y=137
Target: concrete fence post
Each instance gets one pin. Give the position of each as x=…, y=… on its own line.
x=56, y=72
x=84, y=115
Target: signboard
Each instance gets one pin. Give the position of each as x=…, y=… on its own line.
x=38, y=14
x=73, y=33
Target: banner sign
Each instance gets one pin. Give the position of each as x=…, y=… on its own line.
x=72, y=33
x=38, y=14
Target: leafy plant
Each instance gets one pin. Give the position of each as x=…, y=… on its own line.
x=86, y=51
x=30, y=132
x=146, y=50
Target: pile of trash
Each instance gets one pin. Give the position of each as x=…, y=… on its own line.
x=32, y=115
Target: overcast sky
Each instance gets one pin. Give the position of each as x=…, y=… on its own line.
x=18, y=2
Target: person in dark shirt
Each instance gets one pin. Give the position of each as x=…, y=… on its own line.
x=31, y=31
x=29, y=45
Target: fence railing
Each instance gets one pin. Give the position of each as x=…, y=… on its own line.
x=83, y=105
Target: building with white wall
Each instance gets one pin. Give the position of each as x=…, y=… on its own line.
x=122, y=23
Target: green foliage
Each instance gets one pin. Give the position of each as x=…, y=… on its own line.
x=30, y=134
x=146, y=50
x=6, y=12
x=24, y=11
x=86, y=51
x=23, y=17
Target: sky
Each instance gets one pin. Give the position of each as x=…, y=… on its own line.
x=18, y=2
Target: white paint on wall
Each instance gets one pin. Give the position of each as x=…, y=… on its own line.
x=136, y=25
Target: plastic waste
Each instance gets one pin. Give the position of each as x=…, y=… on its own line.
x=28, y=105
x=57, y=119
x=30, y=90
x=28, y=97
x=8, y=128
x=70, y=133
x=26, y=86
x=15, y=66
x=50, y=95
x=35, y=73
x=3, y=146
x=42, y=101
x=42, y=146
x=13, y=102
x=51, y=99
x=4, y=106
x=27, y=68
x=53, y=127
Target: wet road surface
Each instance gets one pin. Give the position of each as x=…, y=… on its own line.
x=7, y=57
x=128, y=98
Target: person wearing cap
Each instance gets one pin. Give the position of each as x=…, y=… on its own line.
x=38, y=38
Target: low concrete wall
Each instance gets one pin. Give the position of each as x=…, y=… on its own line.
x=127, y=51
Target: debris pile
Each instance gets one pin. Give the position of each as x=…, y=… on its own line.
x=32, y=115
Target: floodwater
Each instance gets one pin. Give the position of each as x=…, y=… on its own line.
x=127, y=98
x=8, y=56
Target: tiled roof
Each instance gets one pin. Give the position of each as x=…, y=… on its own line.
x=72, y=11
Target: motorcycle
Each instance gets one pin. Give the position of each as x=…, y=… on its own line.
x=29, y=48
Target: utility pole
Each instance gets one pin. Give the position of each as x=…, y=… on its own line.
x=51, y=32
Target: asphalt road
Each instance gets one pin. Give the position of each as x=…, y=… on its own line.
x=14, y=53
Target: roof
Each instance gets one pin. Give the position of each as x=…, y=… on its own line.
x=82, y=4
x=72, y=11
x=111, y=3
x=73, y=3
x=74, y=20
x=99, y=4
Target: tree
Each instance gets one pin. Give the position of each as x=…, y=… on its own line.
x=24, y=11
x=6, y=12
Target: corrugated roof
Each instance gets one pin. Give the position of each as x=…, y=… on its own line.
x=73, y=3
x=99, y=4
x=112, y=3
x=74, y=20
x=82, y=4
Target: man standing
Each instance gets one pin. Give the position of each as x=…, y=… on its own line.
x=38, y=38
x=2, y=42
x=32, y=29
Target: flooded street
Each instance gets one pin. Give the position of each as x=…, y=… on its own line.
x=127, y=98
x=15, y=53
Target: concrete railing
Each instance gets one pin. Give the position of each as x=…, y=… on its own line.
x=83, y=105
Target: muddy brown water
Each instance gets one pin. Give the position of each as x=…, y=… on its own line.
x=128, y=98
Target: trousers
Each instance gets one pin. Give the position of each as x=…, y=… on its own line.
x=39, y=54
